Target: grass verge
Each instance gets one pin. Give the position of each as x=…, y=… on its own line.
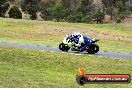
x=25, y=68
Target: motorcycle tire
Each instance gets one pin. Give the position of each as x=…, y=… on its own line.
x=93, y=48
x=63, y=47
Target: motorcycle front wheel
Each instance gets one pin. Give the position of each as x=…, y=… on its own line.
x=64, y=47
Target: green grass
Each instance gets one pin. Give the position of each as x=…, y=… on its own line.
x=112, y=28
x=25, y=68
x=48, y=33
x=30, y=42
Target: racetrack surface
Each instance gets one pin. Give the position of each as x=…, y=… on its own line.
x=104, y=54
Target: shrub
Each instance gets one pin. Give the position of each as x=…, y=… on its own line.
x=71, y=18
x=59, y=12
x=15, y=13
x=78, y=17
x=98, y=16
x=3, y=7
x=86, y=19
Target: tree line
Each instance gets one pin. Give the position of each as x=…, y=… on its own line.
x=86, y=11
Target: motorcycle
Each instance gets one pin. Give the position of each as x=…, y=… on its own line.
x=68, y=44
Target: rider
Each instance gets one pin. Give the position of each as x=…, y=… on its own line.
x=82, y=40
x=74, y=38
x=78, y=39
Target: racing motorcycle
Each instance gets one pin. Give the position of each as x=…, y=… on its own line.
x=68, y=44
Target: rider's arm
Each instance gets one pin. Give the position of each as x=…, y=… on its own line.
x=81, y=40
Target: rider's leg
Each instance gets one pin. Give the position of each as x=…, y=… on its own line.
x=87, y=44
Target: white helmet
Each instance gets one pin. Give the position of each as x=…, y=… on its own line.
x=77, y=34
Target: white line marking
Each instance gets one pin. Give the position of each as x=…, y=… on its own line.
x=63, y=52
x=78, y=54
x=71, y=53
x=52, y=51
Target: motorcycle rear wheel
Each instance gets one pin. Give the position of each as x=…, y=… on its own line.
x=93, y=48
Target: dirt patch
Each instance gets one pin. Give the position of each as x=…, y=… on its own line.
x=62, y=31
x=45, y=32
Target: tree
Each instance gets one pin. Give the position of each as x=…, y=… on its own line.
x=65, y=3
x=15, y=13
x=31, y=6
x=59, y=12
x=111, y=5
x=4, y=4
x=98, y=15
x=122, y=12
x=73, y=6
x=46, y=8
x=86, y=6
x=86, y=19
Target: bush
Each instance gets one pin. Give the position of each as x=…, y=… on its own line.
x=59, y=12
x=15, y=13
x=75, y=18
x=78, y=17
x=3, y=8
x=86, y=19
x=71, y=18
x=98, y=16
x=122, y=12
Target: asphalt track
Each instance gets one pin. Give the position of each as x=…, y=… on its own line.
x=103, y=54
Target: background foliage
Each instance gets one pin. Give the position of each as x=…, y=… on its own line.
x=69, y=10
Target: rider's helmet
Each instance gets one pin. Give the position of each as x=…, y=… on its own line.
x=76, y=35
